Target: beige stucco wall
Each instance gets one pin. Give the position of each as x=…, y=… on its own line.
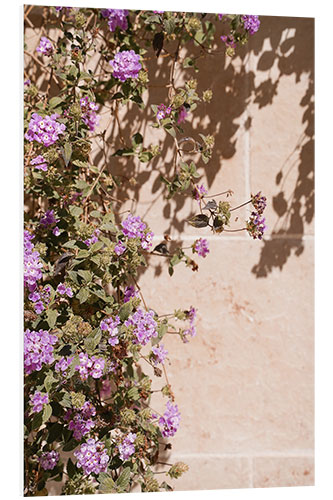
x=245, y=384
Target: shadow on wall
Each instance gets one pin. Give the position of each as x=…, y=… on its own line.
x=234, y=89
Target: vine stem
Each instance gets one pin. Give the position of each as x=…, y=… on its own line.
x=239, y=206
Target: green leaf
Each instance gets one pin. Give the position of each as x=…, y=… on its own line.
x=66, y=400
x=200, y=220
x=83, y=295
x=107, y=485
x=71, y=469
x=170, y=130
x=37, y=420
x=71, y=445
x=73, y=276
x=54, y=102
x=92, y=341
x=133, y=393
x=137, y=139
x=124, y=479
x=47, y=412
x=75, y=211
x=161, y=331
x=125, y=311
x=51, y=317
x=48, y=381
x=70, y=244
x=67, y=153
x=86, y=275
x=169, y=25
x=54, y=432
x=83, y=254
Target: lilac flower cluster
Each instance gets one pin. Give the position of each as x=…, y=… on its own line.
x=38, y=349
x=32, y=264
x=159, y=354
x=144, y=326
x=129, y=293
x=119, y=248
x=40, y=163
x=63, y=364
x=256, y=223
x=126, y=448
x=89, y=116
x=110, y=325
x=45, y=47
x=169, y=423
x=200, y=246
x=38, y=400
x=92, y=457
x=90, y=366
x=251, y=24
x=41, y=299
x=49, y=459
x=126, y=64
x=134, y=227
x=229, y=40
x=191, y=331
x=49, y=219
x=79, y=421
x=45, y=130
x=93, y=239
x=163, y=111
x=199, y=192
x=116, y=18
x=64, y=290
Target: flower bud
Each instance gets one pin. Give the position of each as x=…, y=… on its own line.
x=177, y=470
x=207, y=95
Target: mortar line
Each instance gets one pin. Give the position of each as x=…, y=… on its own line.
x=190, y=237
x=247, y=138
x=250, y=455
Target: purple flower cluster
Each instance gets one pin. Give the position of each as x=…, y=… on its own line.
x=41, y=299
x=38, y=400
x=229, y=40
x=45, y=130
x=79, y=421
x=92, y=457
x=191, y=331
x=90, y=366
x=110, y=325
x=64, y=290
x=38, y=349
x=119, y=248
x=251, y=24
x=126, y=64
x=134, y=227
x=200, y=246
x=45, y=47
x=159, y=354
x=89, y=116
x=63, y=364
x=49, y=459
x=169, y=423
x=116, y=18
x=126, y=448
x=40, y=163
x=32, y=264
x=129, y=293
x=163, y=111
x=256, y=223
x=49, y=219
x=93, y=239
x=199, y=192
x=144, y=326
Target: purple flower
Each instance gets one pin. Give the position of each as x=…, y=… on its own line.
x=144, y=326
x=182, y=113
x=110, y=325
x=48, y=218
x=38, y=400
x=38, y=349
x=129, y=293
x=159, y=354
x=79, y=421
x=116, y=18
x=32, y=263
x=56, y=231
x=89, y=116
x=119, y=248
x=228, y=40
x=27, y=83
x=220, y=16
x=251, y=23
x=134, y=227
x=199, y=192
x=169, y=423
x=92, y=457
x=63, y=364
x=256, y=225
x=259, y=202
x=191, y=331
x=93, y=239
x=126, y=448
x=126, y=64
x=90, y=366
x=49, y=459
x=40, y=163
x=163, y=111
x=45, y=47
x=45, y=130
x=64, y=290
x=200, y=246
